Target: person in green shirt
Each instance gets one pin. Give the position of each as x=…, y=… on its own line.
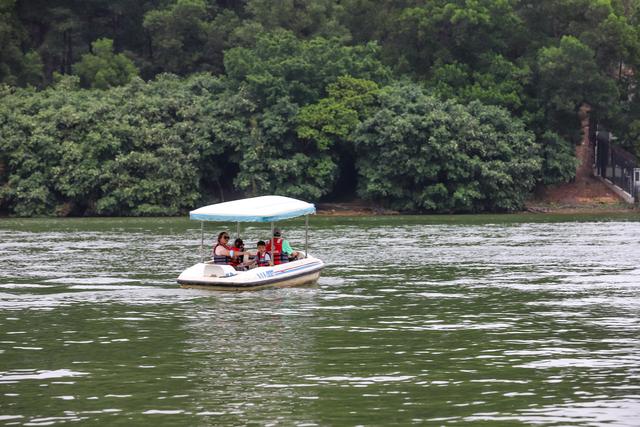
x=286, y=247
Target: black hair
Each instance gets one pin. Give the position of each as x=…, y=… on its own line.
x=261, y=243
x=222, y=233
x=238, y=243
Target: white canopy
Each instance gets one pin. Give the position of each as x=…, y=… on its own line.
x=255, y=209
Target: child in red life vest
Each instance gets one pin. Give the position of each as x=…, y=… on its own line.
x=238, y=247
x=263, y=258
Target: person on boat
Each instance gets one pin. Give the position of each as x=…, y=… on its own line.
x=263, y=258
x=282, y=250
x=222, y=252
x=238, y=247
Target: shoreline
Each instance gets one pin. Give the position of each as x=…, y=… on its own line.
x=573, y=210
x=358, y=210
x=532, y=208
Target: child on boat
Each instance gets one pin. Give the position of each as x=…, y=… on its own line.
x=238, y=247
x=262, y=258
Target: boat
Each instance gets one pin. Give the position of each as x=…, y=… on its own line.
x=264, y=209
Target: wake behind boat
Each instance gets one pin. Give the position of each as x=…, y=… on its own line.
x=209, y=275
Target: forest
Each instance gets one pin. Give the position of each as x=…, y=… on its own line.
x=154, y=107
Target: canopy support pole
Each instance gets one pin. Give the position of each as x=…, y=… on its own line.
x=238, y=230
x=273, y=244
x=201, y=241
x=306, y=235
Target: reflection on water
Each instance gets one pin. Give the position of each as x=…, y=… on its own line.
x=452, y=320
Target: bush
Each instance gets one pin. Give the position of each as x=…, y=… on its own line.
x=418, y=153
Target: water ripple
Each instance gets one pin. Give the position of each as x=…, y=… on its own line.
x=476, y=320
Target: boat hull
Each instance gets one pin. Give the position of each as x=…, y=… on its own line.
x=216, y=277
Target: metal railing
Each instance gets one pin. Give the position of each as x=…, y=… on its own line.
x=615, y=163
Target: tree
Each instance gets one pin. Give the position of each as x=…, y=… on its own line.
x=102, y=68
x=178, y=35
x=332, y=120
x=442, y=32
x=327, y=127
x=494, y=81
x=463, y=159
x=559, y=161
x=305, y=18
x=16, y=67
x=278, y=76
x=568, y=76
x=282, y=65
x=549, y=20
x=138, y=149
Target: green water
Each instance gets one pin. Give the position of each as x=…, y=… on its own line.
x=441, y=320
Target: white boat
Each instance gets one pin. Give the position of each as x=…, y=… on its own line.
x=208, y=275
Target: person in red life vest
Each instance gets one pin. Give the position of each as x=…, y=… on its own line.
x=282, y=250
x=263, y=258
x=222, y=252
x=238, y=247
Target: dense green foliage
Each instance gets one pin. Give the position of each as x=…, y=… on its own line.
x=132, y=150
x=420, y=153
x=102, y=68
x=422, y=106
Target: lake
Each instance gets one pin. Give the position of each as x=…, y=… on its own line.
x=438, y=320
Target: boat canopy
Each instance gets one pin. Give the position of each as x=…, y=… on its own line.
x=255, y=209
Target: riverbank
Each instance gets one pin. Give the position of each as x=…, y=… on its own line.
x=553, y=200
x=590, y=208
x=585, y=194
x=535, y=205
x=352, y=208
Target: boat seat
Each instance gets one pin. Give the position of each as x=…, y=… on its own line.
x=219, y=270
